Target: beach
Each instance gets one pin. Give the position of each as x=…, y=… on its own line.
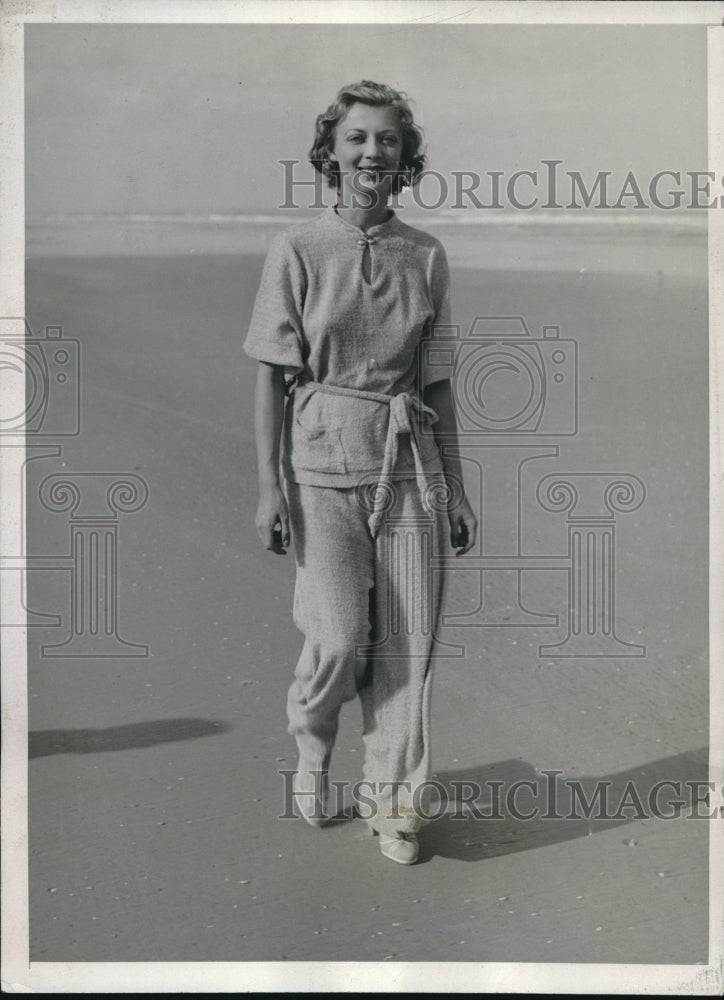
x=155, y=788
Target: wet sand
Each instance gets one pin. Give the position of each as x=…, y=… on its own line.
x=154, y=785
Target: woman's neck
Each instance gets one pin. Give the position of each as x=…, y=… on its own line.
x=362, y=218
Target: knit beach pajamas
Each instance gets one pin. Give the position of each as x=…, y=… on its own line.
x=338, y=307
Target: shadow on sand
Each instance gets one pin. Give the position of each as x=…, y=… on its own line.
x=613, y=800
x=132, y=736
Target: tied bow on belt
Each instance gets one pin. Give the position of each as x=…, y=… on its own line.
x=401, y=406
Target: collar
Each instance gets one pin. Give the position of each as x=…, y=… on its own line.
x=381, y=229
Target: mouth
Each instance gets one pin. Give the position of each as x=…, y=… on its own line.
x=375, y=174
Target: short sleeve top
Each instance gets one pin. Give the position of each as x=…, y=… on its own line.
x=327, y=314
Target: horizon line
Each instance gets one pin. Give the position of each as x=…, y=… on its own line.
x=437, y=217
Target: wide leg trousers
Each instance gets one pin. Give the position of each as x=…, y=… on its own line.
x=368, y=608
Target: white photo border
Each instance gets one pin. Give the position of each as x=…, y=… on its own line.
x=18, y=974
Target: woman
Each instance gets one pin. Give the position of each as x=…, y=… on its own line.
x=344, y=305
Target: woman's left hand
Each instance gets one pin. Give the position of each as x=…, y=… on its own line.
x=463, y=527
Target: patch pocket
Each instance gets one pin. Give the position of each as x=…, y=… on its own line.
x=363, y=434
x=316, y=444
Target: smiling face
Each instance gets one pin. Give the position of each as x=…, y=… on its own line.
x=367, y=150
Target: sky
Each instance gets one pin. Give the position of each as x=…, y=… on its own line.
x=195, y=118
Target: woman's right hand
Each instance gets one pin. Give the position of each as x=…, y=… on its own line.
x=272, y=520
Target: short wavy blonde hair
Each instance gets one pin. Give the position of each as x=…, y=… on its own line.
x=412, y=160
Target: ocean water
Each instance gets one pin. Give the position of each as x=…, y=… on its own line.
x=645, y=243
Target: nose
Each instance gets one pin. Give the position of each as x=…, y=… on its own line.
x=372, y=150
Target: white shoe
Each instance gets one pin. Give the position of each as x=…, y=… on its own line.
x=402, y=848
x=311, y=790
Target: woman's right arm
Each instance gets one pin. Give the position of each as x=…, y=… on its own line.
x=272, y=517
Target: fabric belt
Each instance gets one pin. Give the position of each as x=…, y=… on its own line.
x=401, y=406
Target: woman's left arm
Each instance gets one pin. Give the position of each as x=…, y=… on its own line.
x=463, y=523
